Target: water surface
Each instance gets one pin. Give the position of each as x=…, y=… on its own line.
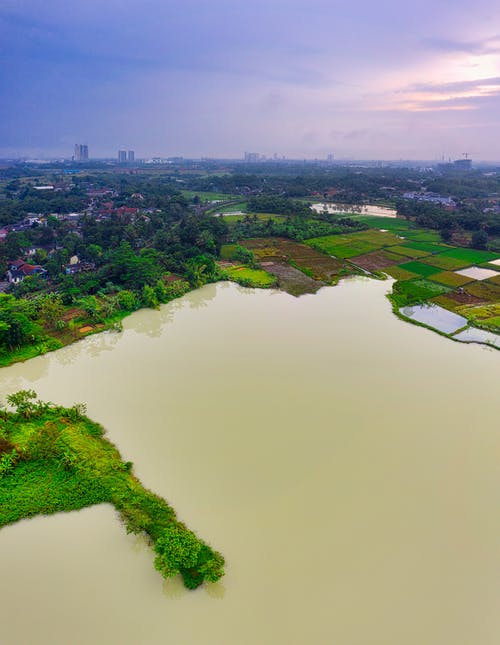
x=363, y=209
x=344, y=461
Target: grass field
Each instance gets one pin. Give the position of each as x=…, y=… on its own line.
x=419, y=268
x=238, y=206
x=263, y=217
x=208, y=196
x=227, y=250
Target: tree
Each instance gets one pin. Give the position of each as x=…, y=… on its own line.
x=479, y=240
x=176, y=549
x=17, y=327
x=51, y=309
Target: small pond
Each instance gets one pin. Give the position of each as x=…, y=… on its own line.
x=435, y=317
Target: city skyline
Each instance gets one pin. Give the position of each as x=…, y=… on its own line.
x=300, y=79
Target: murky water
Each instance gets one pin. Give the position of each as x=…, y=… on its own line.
x=345, y=463
x=365, y=209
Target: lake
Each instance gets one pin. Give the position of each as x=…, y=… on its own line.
x=365, y=209
x=343, y=461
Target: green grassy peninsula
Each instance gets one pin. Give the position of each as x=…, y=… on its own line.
x=55, y=459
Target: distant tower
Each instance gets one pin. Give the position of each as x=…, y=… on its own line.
x=81, y=152
x=330, y=158
x=131, y=156
x=122, y=156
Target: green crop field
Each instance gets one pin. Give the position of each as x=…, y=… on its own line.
x=352, y=244
x=443, y=261
x=230, y=208
x=485, y=289
x=450, y=279
x=422, y=235
x=427, y=246
x=250, y=277
x=471, y=256
x=415, y=291
x=263, y=217
x=400, y=274
x=419, y=268
x=408, y=251
x=226, y=251
x=392, y=224
x=208, y=196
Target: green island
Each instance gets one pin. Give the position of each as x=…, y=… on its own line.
x=55, y=459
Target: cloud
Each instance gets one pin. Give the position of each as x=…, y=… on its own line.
x=489, y=45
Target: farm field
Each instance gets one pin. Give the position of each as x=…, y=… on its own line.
x=425, y=270
x=208, y=196
x=250, y=277
x=408, y=251
x=353, y=244
x=419, y=268
x=311, y=262
x=263, y=217
x=445, y=262
x=376, y=260
x=450, y=279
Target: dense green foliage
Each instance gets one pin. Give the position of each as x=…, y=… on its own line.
x=145, y=236
x=55, y=459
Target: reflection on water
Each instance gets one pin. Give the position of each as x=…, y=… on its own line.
x=436, y=317
x=472, y=335
x=344, y=461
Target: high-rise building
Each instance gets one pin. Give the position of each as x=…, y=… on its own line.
x=130, y=156
x=122, y=156
x=81, y=152
x=251, y=157
x=330, y=158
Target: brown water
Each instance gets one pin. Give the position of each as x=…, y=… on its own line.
x=365, y=209
x=345, y=463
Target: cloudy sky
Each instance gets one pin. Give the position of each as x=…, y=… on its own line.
x=302, y=78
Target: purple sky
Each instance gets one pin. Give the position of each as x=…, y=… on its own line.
x=362, y=79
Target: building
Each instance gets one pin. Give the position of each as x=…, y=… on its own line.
x=81, y=152
x=122, y=156
x=252, y=157
x=131, y=156
x=19, y=269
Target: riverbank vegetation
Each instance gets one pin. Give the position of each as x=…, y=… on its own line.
x=111, y=242
x=55, y=459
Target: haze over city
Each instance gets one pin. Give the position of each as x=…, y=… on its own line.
x=379, y=80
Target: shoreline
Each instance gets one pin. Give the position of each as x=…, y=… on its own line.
x=114, y=323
